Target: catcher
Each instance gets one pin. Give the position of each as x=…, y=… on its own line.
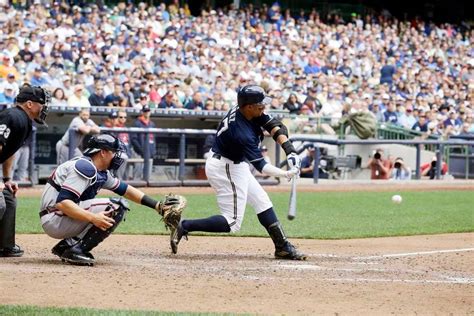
x=70, y=211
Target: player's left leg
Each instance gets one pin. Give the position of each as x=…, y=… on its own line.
x=8, y=248
x=230, y=182
x=259, y=200
x=80, y=253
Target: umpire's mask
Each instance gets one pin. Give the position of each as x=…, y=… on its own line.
x=36, y=94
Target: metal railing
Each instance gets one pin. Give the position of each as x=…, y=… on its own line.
x=146, y=150
x=440, y=145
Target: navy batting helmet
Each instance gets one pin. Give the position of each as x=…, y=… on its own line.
x=252, y=94
x=107, y=142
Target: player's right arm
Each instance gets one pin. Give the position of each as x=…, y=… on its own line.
x=71, y=209
x=77, y=181
x=279, y=133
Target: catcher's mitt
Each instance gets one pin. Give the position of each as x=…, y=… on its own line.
x=171, y=208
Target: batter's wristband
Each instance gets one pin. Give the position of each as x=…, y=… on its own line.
x=6, y=179
x=148, y=201
x=288, y=147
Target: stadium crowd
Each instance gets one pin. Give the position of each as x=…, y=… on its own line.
x=413, y=74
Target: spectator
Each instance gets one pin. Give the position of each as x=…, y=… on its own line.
x=307, y=165
x=59, y=98
x=78, y=98
x=196, y=102
x=80, y=126
x=387, y=72
x=114, y=98
x=7, y=68
x=429, y=169
x=167, y=102
x=97, y=97
x=7, y=97
x=421, y=125
x=38, y=79
x=10, y=82
x=390, y=114
x=139, y=142
x=400, y=170
x=292, y=104
x=123, y=172
x=380, y=167
x=111, y=120
x=127, y=94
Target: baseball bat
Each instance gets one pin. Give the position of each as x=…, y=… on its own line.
x=292, y=207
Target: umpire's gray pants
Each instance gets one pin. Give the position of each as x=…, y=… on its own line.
x=7, y=220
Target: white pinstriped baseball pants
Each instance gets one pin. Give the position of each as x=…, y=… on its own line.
x=235, y=186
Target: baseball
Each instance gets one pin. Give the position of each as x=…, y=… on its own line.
x=397, y=199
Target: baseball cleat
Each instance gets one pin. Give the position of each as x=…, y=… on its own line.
x=176, y=236
x=77, y=257
x=60, y=247
x=14, y=251
x=289, y=252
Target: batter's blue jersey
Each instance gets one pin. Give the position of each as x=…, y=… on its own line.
x=239, y=139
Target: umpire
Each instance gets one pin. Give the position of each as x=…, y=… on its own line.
x=15, y=127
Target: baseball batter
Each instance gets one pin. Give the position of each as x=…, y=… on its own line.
x=236, y=145
x=69, y=209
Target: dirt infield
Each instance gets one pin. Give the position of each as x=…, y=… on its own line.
x=403, y=275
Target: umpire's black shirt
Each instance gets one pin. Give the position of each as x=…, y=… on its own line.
x=15, y=127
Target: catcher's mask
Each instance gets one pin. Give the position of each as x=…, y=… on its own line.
x=252, y=94
x=107, y=142
x=36, y=94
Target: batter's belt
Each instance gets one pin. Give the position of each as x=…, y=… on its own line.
x=219, y=157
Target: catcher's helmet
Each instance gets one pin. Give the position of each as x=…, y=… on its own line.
x=35, y=94
x=108, y=142
x=252, y=94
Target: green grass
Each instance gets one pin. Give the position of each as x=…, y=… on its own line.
x=328, y=215
x=20, y=310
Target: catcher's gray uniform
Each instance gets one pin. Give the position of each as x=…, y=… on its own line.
x=62, y=146
x=77, y=180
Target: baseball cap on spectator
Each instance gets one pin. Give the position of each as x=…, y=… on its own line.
x=11, y=75
x=146, y=108
x=113, y=115
x=385, y=96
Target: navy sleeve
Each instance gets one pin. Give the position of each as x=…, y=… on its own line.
x=121, y=189
x=67, y=195
x=252, y=152
x=263, y=119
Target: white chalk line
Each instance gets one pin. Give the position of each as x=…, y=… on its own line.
x=425, y=281
x=443, y=278
x=409, y=254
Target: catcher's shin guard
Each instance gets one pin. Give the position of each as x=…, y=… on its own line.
x=79, y=253
x=283, y=248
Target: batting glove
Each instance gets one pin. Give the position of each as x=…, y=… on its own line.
x=292, y=173
x=294, y=161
